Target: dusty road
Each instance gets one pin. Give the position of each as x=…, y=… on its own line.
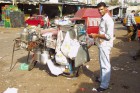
x=125, y=76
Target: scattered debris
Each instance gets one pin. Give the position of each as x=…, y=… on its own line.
x=122, y=68
x=87, y=66
x=68, y=89
x=112, y=84
x=90, y=79
x=125, y=86
x=11, y=90
x=94, y=89
x=135, y=72
x=82, y=89
x=110, y=87
x=75, y=84
x=74, y=78
x=68, y=78
x=127, y=62
x=115, y=68
x=91, y=59
x=24, y=66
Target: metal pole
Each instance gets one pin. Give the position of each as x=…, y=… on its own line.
x=39, y=8
x=13, y=2
x=11, y=66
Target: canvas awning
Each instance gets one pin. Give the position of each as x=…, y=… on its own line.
x=87, y=12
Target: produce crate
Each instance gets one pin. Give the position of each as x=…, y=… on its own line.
x=7, y=23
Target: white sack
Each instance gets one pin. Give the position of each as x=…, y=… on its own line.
x=73, y=49
x=61, y=59
x=55, y=70
x=65, y=48
x=59, y=41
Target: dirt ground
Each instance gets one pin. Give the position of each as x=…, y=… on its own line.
x=125, y=76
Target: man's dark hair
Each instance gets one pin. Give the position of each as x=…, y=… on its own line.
x=132, y=11
x=101, y=4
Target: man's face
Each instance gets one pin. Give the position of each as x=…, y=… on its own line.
x=134, y=13
x=102, y=10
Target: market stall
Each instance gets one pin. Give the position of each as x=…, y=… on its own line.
x=63, y=48
x=12, y=16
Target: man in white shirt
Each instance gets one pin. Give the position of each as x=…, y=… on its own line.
x=105, y=43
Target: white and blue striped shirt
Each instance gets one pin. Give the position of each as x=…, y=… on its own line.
x=130, y=21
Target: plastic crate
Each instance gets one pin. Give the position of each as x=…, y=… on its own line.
x=7, y=23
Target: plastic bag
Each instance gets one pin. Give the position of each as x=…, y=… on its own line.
x=59, y=41
x=74, y=47
x=70, y=46
x=11, y=90
x=61, y=59
x=65, y=47
x=44, y=57
x=55, y=70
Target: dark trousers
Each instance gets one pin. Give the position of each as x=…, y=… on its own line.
x=134, y=36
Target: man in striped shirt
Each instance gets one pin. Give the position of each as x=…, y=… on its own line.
x=131, y=24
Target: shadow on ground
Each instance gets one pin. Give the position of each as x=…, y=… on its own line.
x=125, y=71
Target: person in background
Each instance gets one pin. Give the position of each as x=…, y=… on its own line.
x=105, y=43
x=46, y=21
x=131, y=26
x=56, y=20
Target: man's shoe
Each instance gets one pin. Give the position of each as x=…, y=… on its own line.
x=134, y=58
x=97, y=80
x=100, y=89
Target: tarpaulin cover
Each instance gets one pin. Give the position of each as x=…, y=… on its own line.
x=92, y=17
x=87, y=12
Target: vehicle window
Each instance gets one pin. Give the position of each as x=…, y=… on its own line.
x=80, y=22
x=37, y=18
x=32, y=18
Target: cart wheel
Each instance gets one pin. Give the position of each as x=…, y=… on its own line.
x=32, y=65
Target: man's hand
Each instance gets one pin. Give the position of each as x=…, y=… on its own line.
x=93, y=35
